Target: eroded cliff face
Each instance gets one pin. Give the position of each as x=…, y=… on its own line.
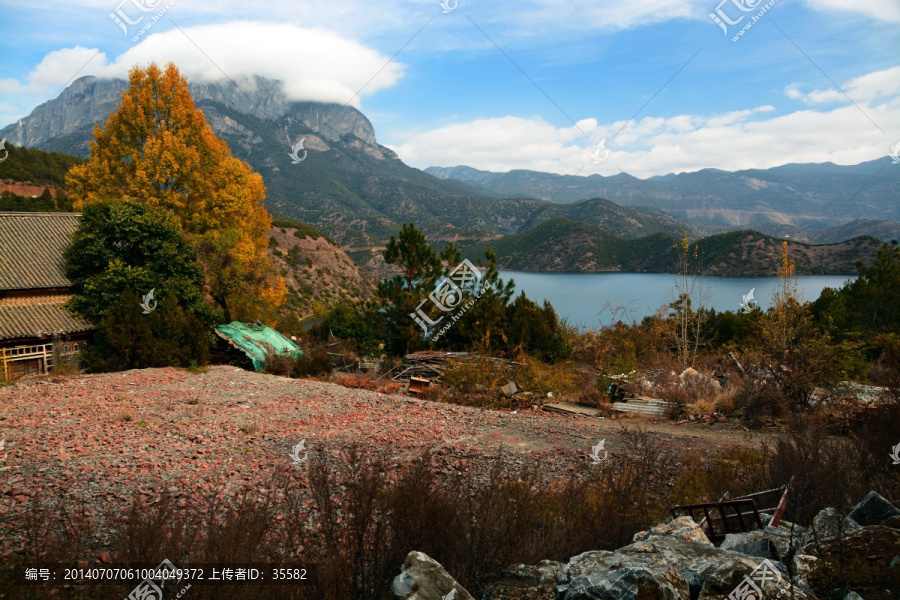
x=86, y=101
x=67, y=121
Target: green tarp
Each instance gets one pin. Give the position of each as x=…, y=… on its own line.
x=256, y=340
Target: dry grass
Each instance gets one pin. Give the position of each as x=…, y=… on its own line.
x=357, y=514
x=536, y=376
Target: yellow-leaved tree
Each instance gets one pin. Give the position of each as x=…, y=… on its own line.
x=157, y=148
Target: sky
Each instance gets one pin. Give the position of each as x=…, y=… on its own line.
x=570, y=87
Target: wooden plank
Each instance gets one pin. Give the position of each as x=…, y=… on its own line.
x=572, y=409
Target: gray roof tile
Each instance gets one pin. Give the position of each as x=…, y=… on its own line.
x=31, y=246
x=34, y=316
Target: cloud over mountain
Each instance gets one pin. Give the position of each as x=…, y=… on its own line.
x=315, y=64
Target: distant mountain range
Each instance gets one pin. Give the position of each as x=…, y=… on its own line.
x=567, y=246
x=354, y=189
x=814, y=196
x=359, y=192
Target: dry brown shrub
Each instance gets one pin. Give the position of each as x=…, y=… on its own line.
x=707, y=475
x=726, y=400
x=589, y=393
x=755, y=399
x=365, y=382
x=539, y=377
x=278, y=363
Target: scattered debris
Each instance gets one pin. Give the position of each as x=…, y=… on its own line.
x=417, y=385
x=510, y=388
x=256, y=340
x=730, y=515
x=617, y=393
x=431, y=364
x=572, y=409
x=738, y=364
x=644, y=406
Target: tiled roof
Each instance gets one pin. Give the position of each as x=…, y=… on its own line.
x=31, y=246
x=31, y=317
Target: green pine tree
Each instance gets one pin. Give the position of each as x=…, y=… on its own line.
x=401, y=295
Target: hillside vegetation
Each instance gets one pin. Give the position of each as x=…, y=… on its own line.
x=317, y=274
x=34, y=181
x=563, y=245
x=28, y=165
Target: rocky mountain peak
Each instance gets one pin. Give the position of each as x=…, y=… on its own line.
x=89, y=100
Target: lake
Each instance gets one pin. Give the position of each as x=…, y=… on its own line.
x=590, y=299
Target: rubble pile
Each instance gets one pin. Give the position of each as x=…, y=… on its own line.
x=676, y=561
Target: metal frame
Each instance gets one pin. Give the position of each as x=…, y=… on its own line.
x=738, y=505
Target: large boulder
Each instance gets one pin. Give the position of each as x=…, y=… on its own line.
x=423, y=578
x=691, y=378
x=873, y=510
x=602, y=575
x=827, y=525
x=661, y=566
x=752, y=543
x=739, y=573
x=692, y=560
x=771, y=542
x=680, y=528
x=801, y=567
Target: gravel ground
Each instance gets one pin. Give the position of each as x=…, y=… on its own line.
x=108, y=438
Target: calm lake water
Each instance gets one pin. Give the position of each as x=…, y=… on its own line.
x=590, y=299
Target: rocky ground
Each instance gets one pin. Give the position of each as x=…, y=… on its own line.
x=108, y=438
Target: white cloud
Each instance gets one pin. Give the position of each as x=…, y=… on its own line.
x=870, y=87
x=654, y=146
x=502, y=143
x=541, y=16
x=314, y=64
x=880, y=10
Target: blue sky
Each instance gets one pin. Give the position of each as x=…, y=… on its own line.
x=457, y=94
